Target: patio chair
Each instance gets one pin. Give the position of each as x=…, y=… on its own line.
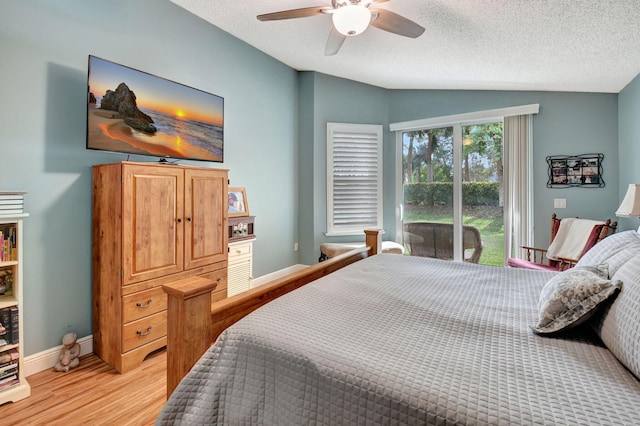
x=429, y=239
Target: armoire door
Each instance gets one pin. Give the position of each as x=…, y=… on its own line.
x=205, y=211
x=153, y=222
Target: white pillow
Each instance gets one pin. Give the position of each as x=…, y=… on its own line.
x=619, y=326
x=615, y=250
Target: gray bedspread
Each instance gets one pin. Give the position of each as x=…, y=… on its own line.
x=402, y=340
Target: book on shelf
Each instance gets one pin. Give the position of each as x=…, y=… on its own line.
x=9, y=366
x=15, y=325
x=7, y=195
x=5, y=320
x=6, y=281
x=9, y=380
x=17, y=202
x=11, y=208
x=9, y=356
x=11, y=203
x=7, y=372
x=8, y=243
x=9, y=384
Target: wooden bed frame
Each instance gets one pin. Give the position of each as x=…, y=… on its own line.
x=194, y=323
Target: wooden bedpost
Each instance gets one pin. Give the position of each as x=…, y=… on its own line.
x=373, y=239
x=188, y=325
x=194, y=323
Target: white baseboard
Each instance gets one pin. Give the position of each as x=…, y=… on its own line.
x=47, y=359
x=277, y=274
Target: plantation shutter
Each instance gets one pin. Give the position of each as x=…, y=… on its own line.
x=354, y=174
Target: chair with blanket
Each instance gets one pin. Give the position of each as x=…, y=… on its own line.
x=570, y=239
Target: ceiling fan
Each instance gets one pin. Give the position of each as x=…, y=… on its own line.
x=350, y=18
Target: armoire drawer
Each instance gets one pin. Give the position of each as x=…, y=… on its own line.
x=143, y=303
x=144, y=330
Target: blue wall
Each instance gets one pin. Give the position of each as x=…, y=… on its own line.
x=331, y=99
x=275, y=137
x=629, y=137
x=568, y=124
x=43, y=81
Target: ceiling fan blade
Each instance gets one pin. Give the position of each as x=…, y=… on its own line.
x=334, y=42
x=294, y=13
x=394, y=23
x=379, y=1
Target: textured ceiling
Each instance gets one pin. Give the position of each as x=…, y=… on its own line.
x=548, y=45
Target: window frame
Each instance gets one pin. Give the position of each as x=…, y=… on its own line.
x=368, y=132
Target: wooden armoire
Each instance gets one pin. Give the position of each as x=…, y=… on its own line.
x=152, y=224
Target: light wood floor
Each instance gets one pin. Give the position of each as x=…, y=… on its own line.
x=92, y=394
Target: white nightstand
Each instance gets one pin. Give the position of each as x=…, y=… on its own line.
x=240, y=271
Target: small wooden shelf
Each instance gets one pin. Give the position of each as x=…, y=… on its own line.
x=4, y=348
x=7, y=301
x=14, y=298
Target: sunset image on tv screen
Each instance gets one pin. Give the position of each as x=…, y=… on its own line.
x=134, y=112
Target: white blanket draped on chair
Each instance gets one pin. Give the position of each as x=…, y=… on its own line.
x=571, y=238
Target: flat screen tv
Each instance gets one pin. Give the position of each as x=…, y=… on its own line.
x=133, y=112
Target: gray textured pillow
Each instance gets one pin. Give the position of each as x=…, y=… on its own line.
x=573, y=296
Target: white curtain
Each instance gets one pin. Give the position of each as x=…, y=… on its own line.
x=517, y=185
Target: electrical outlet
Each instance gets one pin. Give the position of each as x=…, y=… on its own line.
x=295, y=246
x=560, y=203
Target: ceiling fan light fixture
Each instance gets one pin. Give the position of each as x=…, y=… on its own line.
x=352, y=19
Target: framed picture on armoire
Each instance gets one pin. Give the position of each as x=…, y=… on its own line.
x=238, y=205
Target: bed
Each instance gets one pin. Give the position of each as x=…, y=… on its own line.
x=393, y=339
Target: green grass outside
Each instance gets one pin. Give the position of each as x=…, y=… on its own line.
x=487, y=219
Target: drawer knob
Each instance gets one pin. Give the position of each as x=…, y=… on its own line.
x=141, y=333
x=141, y=306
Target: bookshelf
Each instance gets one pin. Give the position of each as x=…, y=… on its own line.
x=13, y=384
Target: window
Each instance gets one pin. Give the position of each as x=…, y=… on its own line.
x=516, y=166
x=354, y=178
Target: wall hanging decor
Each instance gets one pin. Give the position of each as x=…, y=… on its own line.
x=575, y=170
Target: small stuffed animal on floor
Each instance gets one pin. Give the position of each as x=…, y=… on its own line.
x=69, y=354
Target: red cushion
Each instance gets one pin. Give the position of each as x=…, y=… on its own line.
x=521, y=263
x=593, y=239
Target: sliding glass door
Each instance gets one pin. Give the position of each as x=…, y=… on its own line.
x=452, y=182
x=428, y=172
